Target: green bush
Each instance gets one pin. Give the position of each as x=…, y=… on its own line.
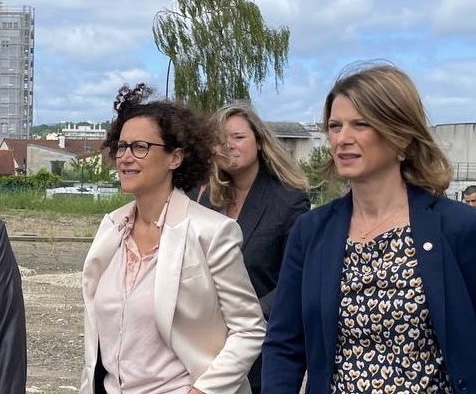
x=321, y=189
x=42, y=180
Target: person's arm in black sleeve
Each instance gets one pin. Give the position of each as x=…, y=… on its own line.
x=13, y=361
x=298, y=204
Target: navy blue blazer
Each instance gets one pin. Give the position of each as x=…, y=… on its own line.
x=302, y=330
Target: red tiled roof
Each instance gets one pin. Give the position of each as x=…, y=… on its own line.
x=76, y=147
x=7, y=166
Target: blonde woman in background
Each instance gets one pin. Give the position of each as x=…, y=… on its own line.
x=256, y=182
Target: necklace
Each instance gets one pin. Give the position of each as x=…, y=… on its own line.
x=364, y=233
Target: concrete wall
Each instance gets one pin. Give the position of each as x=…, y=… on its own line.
x=457, y=140
x=301, y=148
x=296, y=147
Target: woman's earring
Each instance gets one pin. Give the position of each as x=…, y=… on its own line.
x=400, y=157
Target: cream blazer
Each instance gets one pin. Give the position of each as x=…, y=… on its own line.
x=205, y=306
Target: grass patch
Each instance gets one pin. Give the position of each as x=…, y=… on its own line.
x=35, y=200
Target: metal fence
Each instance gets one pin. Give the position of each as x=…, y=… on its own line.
x=464, y=171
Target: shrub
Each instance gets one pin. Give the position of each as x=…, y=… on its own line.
x=40, y=181
x=321, y=189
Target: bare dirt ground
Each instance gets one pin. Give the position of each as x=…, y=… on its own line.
x=51, y=275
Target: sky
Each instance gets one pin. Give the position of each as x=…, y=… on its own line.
x=86, y=49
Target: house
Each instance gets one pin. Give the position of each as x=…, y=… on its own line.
x=28, y=156
x=6, y=163
x=295, y=137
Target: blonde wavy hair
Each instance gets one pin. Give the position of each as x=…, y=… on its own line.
x=389, y=101
x=273, y=155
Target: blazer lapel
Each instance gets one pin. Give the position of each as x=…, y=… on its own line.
x=254, y=206
x=331, y=258
x=427, y=236
x=102, y=250
x=169, y=263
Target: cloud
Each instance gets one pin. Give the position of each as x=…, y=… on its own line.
x=86, y=43
x=91, y=99
x=448, y=91
x=86, y=49
x=454, y=17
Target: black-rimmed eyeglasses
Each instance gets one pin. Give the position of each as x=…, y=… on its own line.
x=139, y=149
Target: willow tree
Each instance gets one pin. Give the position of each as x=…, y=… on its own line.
x=218, y=48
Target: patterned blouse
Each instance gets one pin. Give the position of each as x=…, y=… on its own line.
x=386, y=343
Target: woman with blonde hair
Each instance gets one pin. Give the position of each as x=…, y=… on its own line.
x=256, y=182
x=377, y=291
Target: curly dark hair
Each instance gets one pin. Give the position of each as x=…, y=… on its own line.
x=180, y=127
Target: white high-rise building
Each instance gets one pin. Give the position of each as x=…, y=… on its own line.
x=90, y=131
x=16, y=70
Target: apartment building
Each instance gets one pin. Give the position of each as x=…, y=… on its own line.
x=88, y=131
x=16, y=70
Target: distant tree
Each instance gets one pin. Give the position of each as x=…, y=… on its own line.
x=106, y=125
x=89, y=170
x=312, y=165
x=44, y=129
x=321, y=189
x=217, y=47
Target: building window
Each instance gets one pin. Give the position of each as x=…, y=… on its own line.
x=57, y=167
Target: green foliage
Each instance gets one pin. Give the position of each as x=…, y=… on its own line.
x=35, y=200
x=322, y=189
x=217, y=47
x=44, y=129
x=28, y=193
x=42, y=180
x=89, y=170
x=312, y=166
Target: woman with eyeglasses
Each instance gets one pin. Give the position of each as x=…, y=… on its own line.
x=169, y=307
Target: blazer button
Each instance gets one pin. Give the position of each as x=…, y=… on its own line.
x=462, y=385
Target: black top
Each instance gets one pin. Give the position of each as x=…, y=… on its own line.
x=266, y=218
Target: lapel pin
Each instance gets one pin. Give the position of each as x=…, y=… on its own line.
x=427, y=246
